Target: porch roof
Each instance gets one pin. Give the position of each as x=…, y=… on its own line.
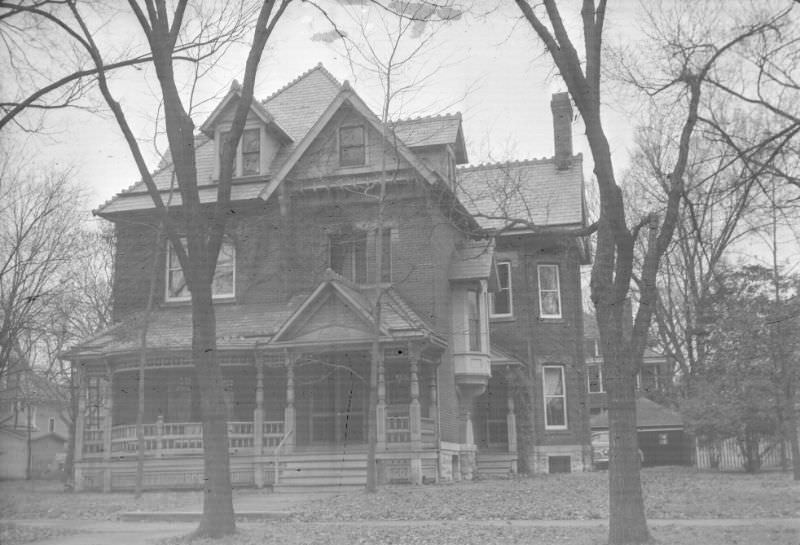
x=244, y=326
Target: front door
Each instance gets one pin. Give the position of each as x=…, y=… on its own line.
x=491, y=408
x=331, y=405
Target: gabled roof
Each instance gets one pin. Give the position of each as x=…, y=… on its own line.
x=349, y=97
x=433, y=131
x=534, y=191
x=295, y=108
x=649, y=414
x=255, y=106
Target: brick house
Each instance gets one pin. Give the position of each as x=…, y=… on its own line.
x=296, y=289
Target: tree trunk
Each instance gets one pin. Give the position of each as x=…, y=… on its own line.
x=791, y=434
x=372, y=420
x=627, y=522
x=218, y=517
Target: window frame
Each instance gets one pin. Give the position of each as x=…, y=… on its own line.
x=601, y=389
x=341, y=147
x=562, y=396
x=350, y=239
x=182, y=299
x=509, y=289
x=238, y=159
x=387, y=235
x=474, y=333
x=557, y=291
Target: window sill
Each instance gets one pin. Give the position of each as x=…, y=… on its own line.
x=552, y=320
x=502, y=318
x=558, y=431
x=187, y=302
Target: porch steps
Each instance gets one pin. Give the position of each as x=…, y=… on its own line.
x=495, y=464
x=322, y=472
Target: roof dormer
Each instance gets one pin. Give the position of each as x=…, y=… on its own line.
x=260, y=142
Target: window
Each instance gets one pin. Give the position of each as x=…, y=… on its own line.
x=247, y=161
x=559, y=464
x=555, y=398
x=594, y=376
x=222, y=285
x=352, y=151
x=251, y=152
x=501, y=301
x=663, y=439
x=51, y=424
x=179, y=400
x=348, y=255
x=549, y=292
x=474, y=320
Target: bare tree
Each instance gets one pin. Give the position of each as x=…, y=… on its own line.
x=613, y=268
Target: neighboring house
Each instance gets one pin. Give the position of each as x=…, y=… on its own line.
x=296, y=287
x=660, y=430
x=654, y=379
x=32, y=417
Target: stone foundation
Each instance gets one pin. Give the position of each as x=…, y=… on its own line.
x=546, y=456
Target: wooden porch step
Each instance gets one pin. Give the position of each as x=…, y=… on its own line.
x=495, y=463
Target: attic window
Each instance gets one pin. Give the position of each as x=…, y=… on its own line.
x=352, y=149
x=247, y=161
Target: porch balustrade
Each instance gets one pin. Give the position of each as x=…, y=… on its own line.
x=176, y=438
x=398, y=425
x=428, y=426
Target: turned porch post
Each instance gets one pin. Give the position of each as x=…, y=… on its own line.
x=414, y=418
x=511, y=423
x=434, y=410
x=258, y=413
x=258, y=424
x=290, y=414
x=107, y=412
x=80, y=378
x=380, y=408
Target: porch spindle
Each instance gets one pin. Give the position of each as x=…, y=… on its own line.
x=159, y=435
x=380, y=409
x=415, y=420
x=289, y=413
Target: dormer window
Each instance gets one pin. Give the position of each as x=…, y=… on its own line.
x=247, y=161
x=352, y=148
x=223, y=284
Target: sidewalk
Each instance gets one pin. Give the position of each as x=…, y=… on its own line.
x=138, y=533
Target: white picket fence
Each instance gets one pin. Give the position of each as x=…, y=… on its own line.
x=730, y=456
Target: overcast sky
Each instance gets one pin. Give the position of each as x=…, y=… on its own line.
x=490, y=69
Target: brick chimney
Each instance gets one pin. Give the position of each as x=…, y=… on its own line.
x=562, y=129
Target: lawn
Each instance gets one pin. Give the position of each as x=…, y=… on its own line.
x=670, y=493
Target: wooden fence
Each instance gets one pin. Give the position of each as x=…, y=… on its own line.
x=730, y=456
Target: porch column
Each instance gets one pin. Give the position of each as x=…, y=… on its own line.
x=380, y=408
x=290, y=415
x=414, y=418
x=258, y=424
x=434, y=410
x=511, y=424
x=107, y=412
x=258, y=413
x=79, y=423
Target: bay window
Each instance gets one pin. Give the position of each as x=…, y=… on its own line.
x=474, y=320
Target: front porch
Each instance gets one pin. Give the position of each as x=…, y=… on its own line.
x=302, y=407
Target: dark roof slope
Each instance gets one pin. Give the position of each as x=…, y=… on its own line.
x=649, y=414
x=533, y=191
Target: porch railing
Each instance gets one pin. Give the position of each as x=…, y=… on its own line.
x=398, y=425
x=176, y=438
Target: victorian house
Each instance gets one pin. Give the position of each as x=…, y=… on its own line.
x=459, y=298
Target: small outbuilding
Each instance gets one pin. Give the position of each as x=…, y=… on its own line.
x=662, y=439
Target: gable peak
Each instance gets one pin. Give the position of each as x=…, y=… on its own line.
x=236, y=86
x=319, y=67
